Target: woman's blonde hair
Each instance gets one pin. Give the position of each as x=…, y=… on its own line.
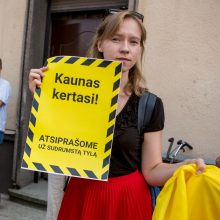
x=106, y=30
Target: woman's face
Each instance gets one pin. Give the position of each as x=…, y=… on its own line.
x=124, y=46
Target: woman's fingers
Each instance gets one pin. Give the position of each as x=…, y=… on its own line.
x=39, y=72
x=199, y=162
x=35, y=78
x=44, y=68
x=200, y=165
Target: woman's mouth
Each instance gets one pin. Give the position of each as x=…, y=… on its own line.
x=122, y=59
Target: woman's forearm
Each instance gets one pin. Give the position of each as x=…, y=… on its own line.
x=160, y=173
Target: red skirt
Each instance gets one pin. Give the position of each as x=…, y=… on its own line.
x=121, y=198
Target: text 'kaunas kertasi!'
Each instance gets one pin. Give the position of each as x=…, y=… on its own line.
x=73, y=96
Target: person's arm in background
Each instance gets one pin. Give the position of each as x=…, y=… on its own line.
x=5, y=93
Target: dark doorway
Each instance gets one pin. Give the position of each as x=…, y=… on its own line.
x=72, y=33
x=6, y=162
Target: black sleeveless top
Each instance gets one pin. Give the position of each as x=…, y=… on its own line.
x=127, y=143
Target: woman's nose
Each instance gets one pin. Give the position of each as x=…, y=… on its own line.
x=124, y=46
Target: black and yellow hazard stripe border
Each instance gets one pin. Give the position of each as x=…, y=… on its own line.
x=50, y=168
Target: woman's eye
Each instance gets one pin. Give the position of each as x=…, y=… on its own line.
x=115, y=39
x=134, y=42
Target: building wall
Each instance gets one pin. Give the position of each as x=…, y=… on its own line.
x=182, y=65
x=12, y=26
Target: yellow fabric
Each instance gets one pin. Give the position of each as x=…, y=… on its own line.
x=188, y=196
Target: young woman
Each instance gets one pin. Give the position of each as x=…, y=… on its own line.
x=135, y=159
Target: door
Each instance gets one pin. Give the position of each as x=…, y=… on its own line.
x=72, y=33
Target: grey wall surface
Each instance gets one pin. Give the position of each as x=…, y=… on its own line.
x=34, y=39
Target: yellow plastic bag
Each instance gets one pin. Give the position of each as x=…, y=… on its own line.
x=188, y=196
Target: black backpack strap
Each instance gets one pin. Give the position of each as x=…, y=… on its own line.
x=145, y=109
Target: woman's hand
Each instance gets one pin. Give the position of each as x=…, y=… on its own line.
x=199, y=162
x=34, y=79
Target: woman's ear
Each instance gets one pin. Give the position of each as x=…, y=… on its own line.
x=99, y=46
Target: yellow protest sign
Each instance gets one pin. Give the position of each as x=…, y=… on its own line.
x=72, y=118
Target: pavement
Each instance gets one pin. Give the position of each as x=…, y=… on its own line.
x=10, y=210
x=28, y=203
